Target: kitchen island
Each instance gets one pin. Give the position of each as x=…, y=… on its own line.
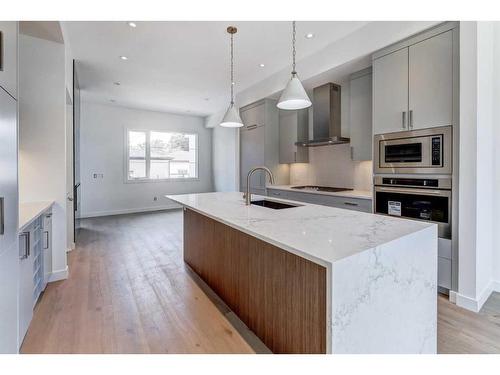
x=317, y=279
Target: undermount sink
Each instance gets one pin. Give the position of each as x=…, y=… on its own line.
x=273, y=204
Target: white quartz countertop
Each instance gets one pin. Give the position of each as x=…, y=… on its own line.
x=29, y=211
x=360, y=194
x=318, y=233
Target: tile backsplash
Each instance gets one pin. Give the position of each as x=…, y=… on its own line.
x=332, y=166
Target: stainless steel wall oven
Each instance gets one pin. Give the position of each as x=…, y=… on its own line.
x=425, y=199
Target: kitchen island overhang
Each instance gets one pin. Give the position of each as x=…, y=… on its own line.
x=380, y=273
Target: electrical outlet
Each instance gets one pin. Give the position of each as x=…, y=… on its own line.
x=155, y=199
x=96, y=176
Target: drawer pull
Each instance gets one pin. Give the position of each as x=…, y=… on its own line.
x=250, y=127
x=351, y=204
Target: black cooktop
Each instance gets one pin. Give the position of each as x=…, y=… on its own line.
x=321, y=188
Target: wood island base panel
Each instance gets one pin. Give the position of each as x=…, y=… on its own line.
x=317, y=279
x=280, y=296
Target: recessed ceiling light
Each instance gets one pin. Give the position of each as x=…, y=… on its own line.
x=261, y=65
x=132, y=24
x=124, y=57
x=116, y=83
x=309, y=35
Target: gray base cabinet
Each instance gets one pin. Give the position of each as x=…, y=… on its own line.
x=35, y=257
x=356, y=204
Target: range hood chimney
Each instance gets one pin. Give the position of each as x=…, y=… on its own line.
x=326, y=117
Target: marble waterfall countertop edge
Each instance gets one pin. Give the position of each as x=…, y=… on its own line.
x=29, y=211
x=360, y=194
x=321, y=234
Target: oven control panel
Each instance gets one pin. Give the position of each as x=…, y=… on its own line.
x=436, y=150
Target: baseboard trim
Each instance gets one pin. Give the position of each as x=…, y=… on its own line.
x=59, y=275
x=453, y=297
x=475, y=304
x=71, y=247
x=128, y=211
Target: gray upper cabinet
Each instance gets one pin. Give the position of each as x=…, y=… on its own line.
x=259, y=139
x=8, y=57
x=431, y=82
x=390, y=92
x=252, y=140
x=293, y=127
x=413, y=83
x=361, y=115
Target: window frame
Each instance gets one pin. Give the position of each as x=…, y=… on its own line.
x=148, y=157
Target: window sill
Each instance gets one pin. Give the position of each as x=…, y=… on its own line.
x=142, y=181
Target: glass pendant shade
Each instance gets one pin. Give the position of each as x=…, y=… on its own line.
x=294, y=96
x=232, y=118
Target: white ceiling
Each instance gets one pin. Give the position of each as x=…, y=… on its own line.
x=183, y=67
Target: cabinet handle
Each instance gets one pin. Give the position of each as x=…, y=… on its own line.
x=352, y=153
x=351, y=204
x=295, y=156
x=250, y=127
x=411, y=118
x=46, y=233
x=2, y=225
x=26, y=251
x=403, y=120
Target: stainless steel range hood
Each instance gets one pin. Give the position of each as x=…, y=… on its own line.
x=326, y=117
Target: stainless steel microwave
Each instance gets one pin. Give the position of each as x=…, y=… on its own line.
x=425, y=151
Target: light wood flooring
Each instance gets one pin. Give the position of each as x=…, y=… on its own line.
x=130, y=292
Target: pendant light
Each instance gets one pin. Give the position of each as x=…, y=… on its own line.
x=232, y=117
x=294, y=96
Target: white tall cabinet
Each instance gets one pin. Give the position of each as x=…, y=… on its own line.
x=413, y=85
x=9, y=274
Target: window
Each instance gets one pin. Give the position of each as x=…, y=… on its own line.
x=154, y=155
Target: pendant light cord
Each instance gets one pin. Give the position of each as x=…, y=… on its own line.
x=293, y=49
x=232, y=71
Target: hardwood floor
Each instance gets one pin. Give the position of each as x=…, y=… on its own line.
x=130, y=292
x=461, y=331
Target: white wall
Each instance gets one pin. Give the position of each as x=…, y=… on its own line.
x=42, y=135
x=477, y=172
x=496, y=146
x=225, y=160
x=102, y=151
x=332, y=166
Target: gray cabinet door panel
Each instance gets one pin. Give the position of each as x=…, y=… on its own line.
x=361, y=117
x=8, y=57
x=288, y=136
x=431, y=82
x=252, y=154
x=254, y=116
x=390, y=92
x=355, y=204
